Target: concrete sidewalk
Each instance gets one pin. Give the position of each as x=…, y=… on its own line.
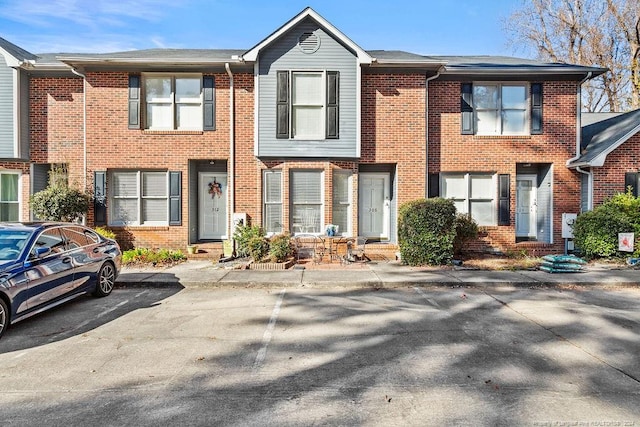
x=371, y=275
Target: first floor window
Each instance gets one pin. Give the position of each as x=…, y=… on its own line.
x=306, y=201
x=473, y=194
x=342, y=202
x=272, y=199
x=138, y=198
x=9, y=201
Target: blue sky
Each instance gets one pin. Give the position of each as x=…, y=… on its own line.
x=461, y=27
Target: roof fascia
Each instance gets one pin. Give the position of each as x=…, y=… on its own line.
x=252, y=54
x=11, y=60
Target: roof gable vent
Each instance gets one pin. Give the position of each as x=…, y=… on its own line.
x=308, y=42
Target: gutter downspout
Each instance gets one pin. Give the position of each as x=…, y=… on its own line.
x=84, y=131
x=232, y=149
x=578, y=141
x=426, y=130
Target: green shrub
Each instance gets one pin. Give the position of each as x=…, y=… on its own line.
x=596, y=232
x=466, y=229
x=105, y=232
x=242, y=235
x=280, y=248
x=426, y=231
x=148, y=256
x=258, y=247
x=60, y=203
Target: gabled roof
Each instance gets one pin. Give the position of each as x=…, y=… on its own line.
x=252, y=54
x=601, y=138
x=14, y=55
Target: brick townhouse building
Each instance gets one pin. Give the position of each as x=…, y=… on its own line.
x=302, y=130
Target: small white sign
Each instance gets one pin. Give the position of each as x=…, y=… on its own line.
x=625, y=242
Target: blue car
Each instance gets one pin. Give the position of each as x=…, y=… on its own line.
x=43, y=265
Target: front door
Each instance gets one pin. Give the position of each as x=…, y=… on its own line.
x=374, y=205
x=526, y=206
x=212, y=212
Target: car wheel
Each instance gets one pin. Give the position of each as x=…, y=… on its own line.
x=4, y=316
x=106, y=280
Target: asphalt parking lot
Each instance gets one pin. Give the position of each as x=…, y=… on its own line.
x=407, y=356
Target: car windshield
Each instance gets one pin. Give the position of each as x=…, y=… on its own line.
x=11, y=243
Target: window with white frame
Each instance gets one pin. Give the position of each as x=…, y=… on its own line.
x=272, y=199
x=173, y=102
x=307, y=104
x=306, y=201
x=501, y=108
x=9, y=196
x=473, y=194
x=138, y=198
x=341, y=208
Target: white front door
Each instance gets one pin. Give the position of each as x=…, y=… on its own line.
x=374, y=205
x=212, y=212
x=526, y=205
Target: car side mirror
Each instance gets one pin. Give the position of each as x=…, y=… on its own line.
x=41, y=251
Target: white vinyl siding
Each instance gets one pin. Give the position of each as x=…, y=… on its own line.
x=306, y=201
x=272, y=197
x=342, y=201
x=9, y=199
x=138, y=198
x=501, y=109
x=173, y=102
x=473, y=194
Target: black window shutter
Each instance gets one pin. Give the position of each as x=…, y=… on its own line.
x=100, y=198
x=434, y=185
x=536, y=108
x=134, y=102
x=282, y=105
x=504, y=199
x=466, y=109
x=209, y=103
x=333, y=100
x=175, y=198
x=631, y=180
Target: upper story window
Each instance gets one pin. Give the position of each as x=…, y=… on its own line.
x=172, y=102
x=501, y=108
x=307, y=104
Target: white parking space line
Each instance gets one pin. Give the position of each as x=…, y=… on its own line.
x=266, y=337
x=423, y=294
x=98, y=316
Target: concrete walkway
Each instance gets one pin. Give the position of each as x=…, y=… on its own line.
x=374, y=275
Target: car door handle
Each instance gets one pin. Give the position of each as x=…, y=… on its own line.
x=66, y=260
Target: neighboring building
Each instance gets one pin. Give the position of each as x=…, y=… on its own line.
x=302, y=130
x=609, y=158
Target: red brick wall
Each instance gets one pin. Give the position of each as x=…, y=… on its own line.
x=393, y=128
x=609, y=179
x=450, y=151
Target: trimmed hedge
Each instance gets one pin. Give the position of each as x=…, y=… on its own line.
x=426, y=231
